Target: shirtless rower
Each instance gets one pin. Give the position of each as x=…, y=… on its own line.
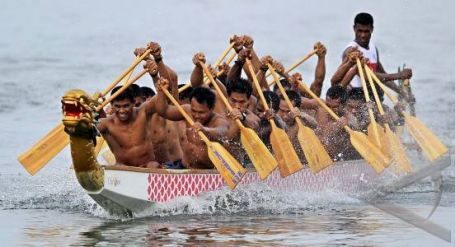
x=197, y=80
x=202, y=102
x=125, y=131
x=239, y=93
x=264, y=130
x=163, y=133
x=351, y=112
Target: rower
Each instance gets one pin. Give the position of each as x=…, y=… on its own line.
x=363, y=28
x=264, y=130
x=147, y=93
x=163, y=133
x=126, y=132
x=239, y=93
x=212, y=124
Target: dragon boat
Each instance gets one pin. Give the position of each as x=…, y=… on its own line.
x=129, y=190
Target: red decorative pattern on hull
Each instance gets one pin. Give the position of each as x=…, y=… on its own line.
x=344, y=177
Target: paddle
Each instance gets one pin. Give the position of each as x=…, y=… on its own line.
x=260, y=156
x=288, y=160
x=50, y=145
x=375, y=132
x=296, y=64
x=392, y=143
x=217, y=63
x=359, y=140
x=432, y=147
x=229, y=168
x=312, y=147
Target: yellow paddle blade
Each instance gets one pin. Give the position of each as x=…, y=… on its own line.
x=368, y=151
x=376, y=134
x=432, y=147
x=288, y=160
x=230, y=169
x=260, y=156
x=397, y=151
x=313, y=149
x=42, y=152
x=100, y=144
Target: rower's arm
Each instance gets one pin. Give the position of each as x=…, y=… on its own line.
x=197, y=75
x=325, y=125
x=219, y=130
x=319, y=73
x=309, y=104
x=341, y=71
x=233, y=131
x=236, y=71
x=348, y=76
x=160, y=105
x=102, y=126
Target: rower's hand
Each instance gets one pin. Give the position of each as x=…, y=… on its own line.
x=296, y=77
x=267, y=114
x=264, y=61
x=243, y=55
x=405, y=74
x=248, y=42
x=295, y=112
x=140, y=51
x=155, y=50
x=295, y=80
x=321, y=49
x=196, y=127
x=224, y=68
x=238, y=43
x=199, y=58
x=163, y=83
x=352, y=54
x=279, y=68
x=151, y=67
x=234, y=114
x=212, y=71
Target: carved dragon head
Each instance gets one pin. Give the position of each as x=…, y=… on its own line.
x=79, y=110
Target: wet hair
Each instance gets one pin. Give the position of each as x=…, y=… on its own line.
x=363, y=19
x=337, y=92
x=147, y=92
x=136, y=89
x=272, y=99
x=186, y=93
x=204, y=96
x=127, y=94
x=285, y=83
x=356, y=94
x=239, y=85
x=294, y=97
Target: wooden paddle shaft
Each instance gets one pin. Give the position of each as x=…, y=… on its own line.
x=322, y=104
x=280, y=86
x=217, y=88
x=121, y=90
x=367, y=99
x=375, y=93
x=298, y=63
x=184, y=114
x=135, y=63
x=256, y=84
x=383, y=87
x=217, y=63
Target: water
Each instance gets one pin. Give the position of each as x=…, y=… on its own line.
x=48, y=47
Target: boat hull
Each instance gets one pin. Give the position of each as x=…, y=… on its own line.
x=129, y=190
